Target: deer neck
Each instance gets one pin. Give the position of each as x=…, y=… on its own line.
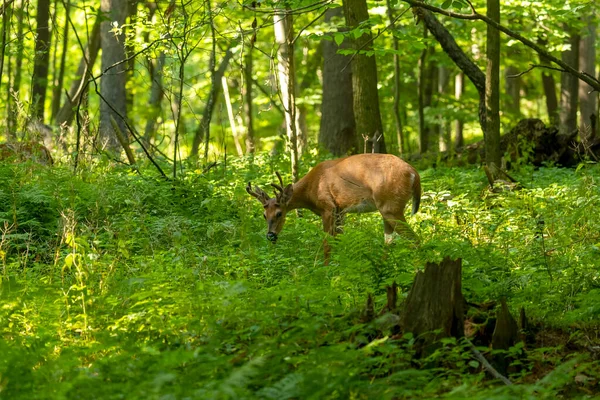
x=300, y=197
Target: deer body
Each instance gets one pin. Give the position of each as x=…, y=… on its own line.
x=355, y=184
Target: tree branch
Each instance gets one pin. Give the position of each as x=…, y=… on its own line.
x=593, y=82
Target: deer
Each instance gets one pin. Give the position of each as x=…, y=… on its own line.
x=27, y=150
x=356, y=184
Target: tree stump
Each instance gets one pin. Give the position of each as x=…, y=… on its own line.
x=506, y=335
x=434, y=308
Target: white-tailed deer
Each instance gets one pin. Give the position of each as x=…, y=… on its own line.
x=355, y=184
x=22, y=151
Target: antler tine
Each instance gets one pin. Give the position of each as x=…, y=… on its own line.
x=278, y=187
x=257, y=192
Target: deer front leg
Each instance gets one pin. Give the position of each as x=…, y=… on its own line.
x=328, y=218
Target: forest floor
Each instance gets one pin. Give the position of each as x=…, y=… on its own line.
x=116, y=285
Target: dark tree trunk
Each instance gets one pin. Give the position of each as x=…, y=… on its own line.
x=426, y=87
x=112, y=82
x=434, y=308
x=364, y=79
x=41, y=59
x=587, y=97
x=569, y=88
x=58, y=88
x=337, y=133
x=88, y=59
x=492, y=90
x=397, y=119
x=512, y=88
x=248, y=108
x=506, y=335
x=156, y=95
x=549, y=85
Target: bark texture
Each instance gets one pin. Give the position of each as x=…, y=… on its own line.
x=434, y=308
x=588, y=115
x=569, y=88
x=41, y=60
x=337, y=133
x=112, y=82
x=364, y=79
x=492, y=89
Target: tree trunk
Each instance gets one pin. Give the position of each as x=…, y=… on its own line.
x=58, y=87
x=459, y=82
x=11, y=119
x=41, y=59
x=512, y=88
x=587, y=97
x=284, y=37
x=4, y=33
x=459, y=57
x=569, y=88
x=549, y=86
x=248, y=109
x=492, y=90
x=156, y=95
x=112, y=82
x=213, y=94
x=90, y=53
x=364, y=78
x=337, y=133
x=434, y=308
x=444, y=140
x=397, y=120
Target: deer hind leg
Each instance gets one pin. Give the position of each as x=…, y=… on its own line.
x=397, y=223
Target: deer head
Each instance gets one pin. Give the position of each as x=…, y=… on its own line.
x=275, y=207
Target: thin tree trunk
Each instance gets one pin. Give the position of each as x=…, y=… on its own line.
x=587, y=97
x=41, y=59
x=569, y=88
x=462, y=61
x=512, y=87
x=459, y=82
x=201, y=133
x=232, y=124
x=113, y=80
x=156, y=95
x=284, y=36
x=364, y=79
x=444, y=124
x=88, y=59
x=4, y=33
x=423, y=139
x=549, y=85
x=492, y=90
x=397, y=119
x=57, y=89
x=247, y=94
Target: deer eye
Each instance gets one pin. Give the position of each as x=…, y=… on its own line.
x=278, y=215
x=265, y=215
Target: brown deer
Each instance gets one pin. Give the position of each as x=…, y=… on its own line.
x=355, y=184
x=22, y=151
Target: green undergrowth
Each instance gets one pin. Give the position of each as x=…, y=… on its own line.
x=116, y=285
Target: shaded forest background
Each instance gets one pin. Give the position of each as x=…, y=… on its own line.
x=202, y=78
x=133, y=262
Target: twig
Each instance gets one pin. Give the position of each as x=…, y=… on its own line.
x=488, y=367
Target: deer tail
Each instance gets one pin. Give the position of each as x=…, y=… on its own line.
x=416, y=193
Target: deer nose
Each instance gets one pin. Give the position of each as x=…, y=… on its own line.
x=272, y=237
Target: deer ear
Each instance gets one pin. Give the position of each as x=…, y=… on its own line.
x=287, y=193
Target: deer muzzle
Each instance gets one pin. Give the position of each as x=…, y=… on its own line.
x=272, y=237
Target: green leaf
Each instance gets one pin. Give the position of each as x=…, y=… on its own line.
x=447, y=4
x=338, y=38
